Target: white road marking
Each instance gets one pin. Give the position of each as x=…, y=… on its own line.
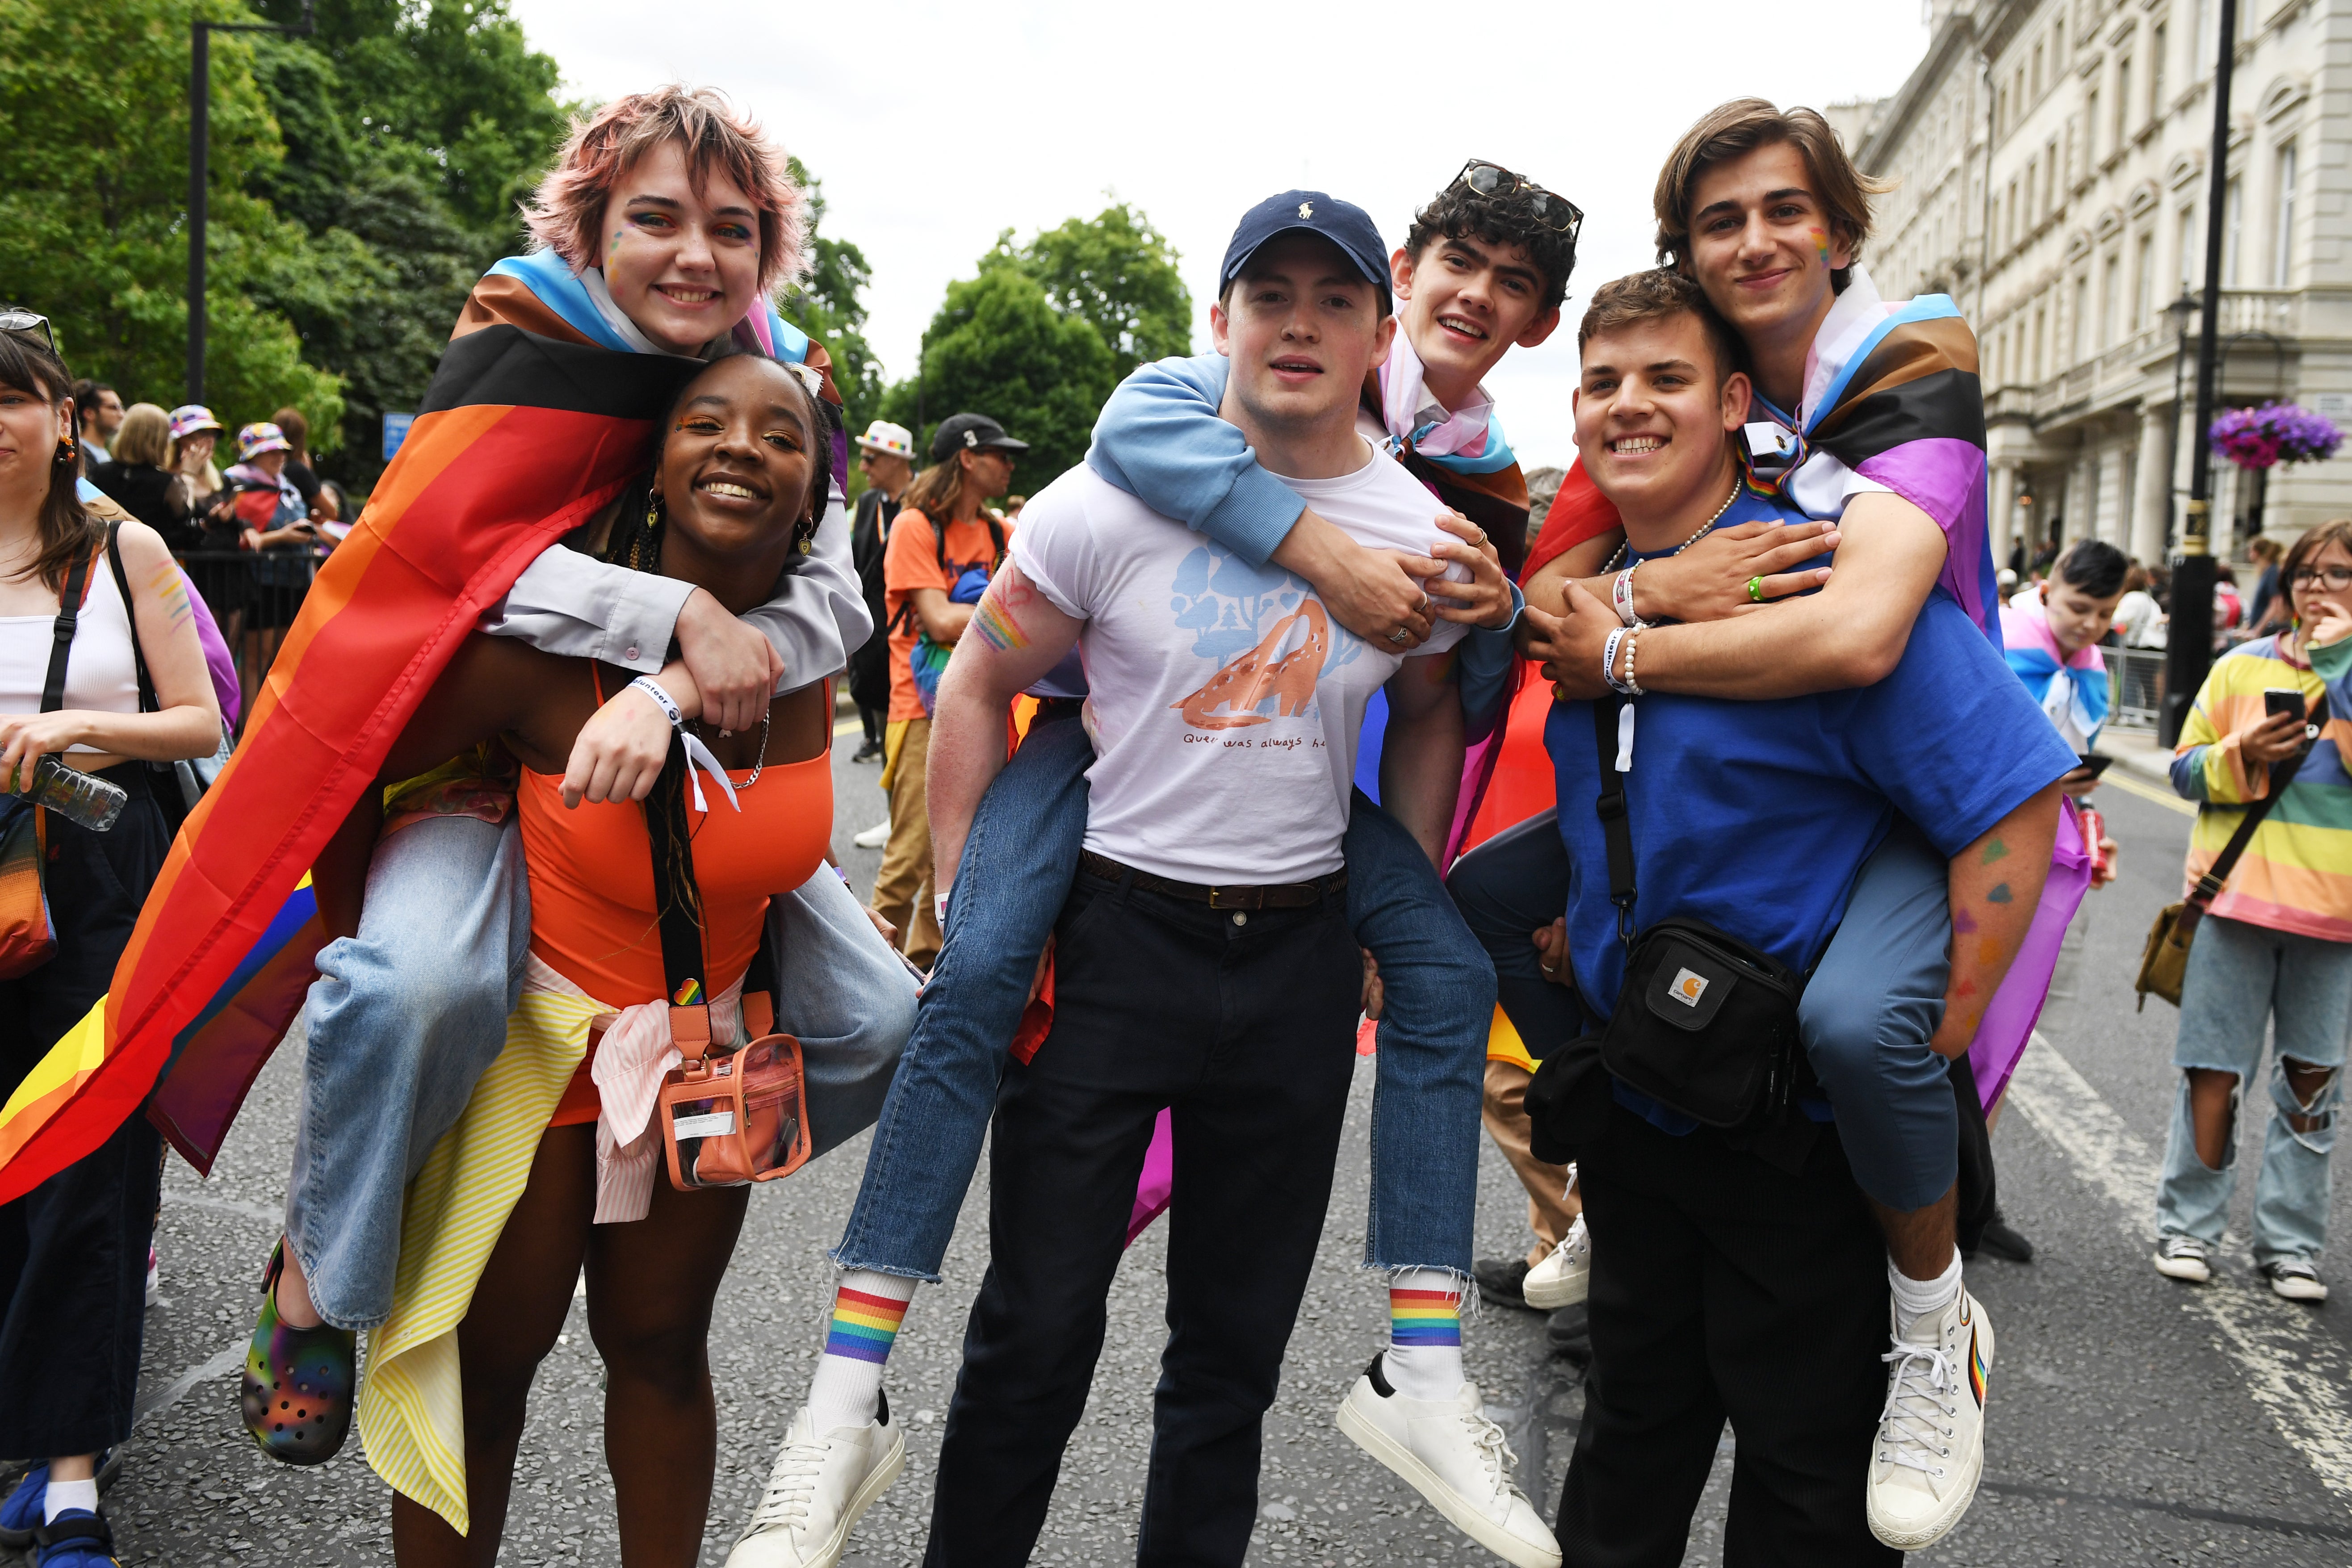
x=228, y=1358
x=2294, y=1372
x=224, y=1206
x=2131, y=785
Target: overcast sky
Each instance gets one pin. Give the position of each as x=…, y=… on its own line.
x=935, y=126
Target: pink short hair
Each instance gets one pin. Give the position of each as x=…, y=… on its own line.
x=567, y=210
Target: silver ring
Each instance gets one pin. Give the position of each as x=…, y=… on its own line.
x=1422, y=608
x=1399, y=635
x=1548, y=968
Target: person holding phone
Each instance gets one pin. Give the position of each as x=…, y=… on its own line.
x=2276, y=949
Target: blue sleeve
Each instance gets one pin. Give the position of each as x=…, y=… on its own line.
x=2189, y=774
x=1161, y=440
x=1484, y=663
x=1951, y=737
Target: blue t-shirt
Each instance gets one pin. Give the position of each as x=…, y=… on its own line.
x=1756, y=816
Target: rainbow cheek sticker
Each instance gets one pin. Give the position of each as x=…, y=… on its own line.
x=1822, y=245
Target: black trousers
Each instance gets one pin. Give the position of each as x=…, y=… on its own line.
x=73, y=1251
x=1724, y=1287
x=1243, y=1023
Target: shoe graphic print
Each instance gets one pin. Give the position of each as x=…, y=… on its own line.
x=1271, y=640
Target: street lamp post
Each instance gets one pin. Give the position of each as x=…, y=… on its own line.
x=2180, y=310
x=200, y=105
x=2189, y=648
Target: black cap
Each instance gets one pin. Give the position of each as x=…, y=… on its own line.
x=1344, y=224
x=969, y=432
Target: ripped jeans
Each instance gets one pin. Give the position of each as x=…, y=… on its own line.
x=2241, y=978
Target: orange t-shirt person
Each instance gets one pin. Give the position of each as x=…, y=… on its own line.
x=915, y=560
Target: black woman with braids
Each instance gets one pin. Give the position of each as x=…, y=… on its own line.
x=554, y=1164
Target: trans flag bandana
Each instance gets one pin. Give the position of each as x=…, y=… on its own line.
x=2032, y=651
x=1466, y=440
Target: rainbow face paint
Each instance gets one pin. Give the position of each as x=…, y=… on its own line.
x=864, y=1327
x=1424, y=1318
x=1822, y=246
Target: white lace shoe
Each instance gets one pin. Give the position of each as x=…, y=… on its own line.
x=1930, y=1450
x=2183, y=1258
x=820, y=1485
x=1456, y=1459
x=2295, y=1279
x=873, y=837
x=1565, y=1278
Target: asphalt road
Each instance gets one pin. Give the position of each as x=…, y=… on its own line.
x=2133, y=1420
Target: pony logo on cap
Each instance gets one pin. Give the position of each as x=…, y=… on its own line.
x=1306, y=209
x=1688, y=987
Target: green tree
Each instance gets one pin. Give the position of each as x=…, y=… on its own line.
x=94, y=110
x=828, y=306
x=999, y=347
x=1119, y=273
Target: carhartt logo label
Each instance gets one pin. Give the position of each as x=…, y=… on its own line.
x=1689, y=987
x=1306, y=209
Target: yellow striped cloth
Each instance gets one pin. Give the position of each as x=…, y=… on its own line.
x=412, y=1413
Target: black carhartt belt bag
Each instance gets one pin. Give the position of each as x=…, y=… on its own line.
x=1706, y=1024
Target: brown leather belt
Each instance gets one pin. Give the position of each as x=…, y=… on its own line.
x=1268, y=896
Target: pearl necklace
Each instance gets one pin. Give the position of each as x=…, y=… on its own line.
x=1686, y=543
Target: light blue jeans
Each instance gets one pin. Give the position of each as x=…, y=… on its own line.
x=404, y=1017
x=2240, y=978
x=1019, y=861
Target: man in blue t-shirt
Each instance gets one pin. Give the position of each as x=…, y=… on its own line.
x=1741, y=1275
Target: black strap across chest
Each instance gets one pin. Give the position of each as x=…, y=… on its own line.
x=53, y=690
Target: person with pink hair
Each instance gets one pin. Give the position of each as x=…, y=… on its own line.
x=667, y=224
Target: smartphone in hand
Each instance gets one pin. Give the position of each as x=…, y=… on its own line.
x=2278, y=700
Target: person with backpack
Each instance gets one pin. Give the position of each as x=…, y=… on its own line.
x=944, y=547
x=89, y=614
x=885, y=455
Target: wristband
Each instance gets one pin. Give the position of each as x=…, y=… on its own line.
x=662, y=699
x=1620, y=595
x=1609, y=661
x=940, y=911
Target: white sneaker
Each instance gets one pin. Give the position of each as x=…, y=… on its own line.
x=1456, y=1459
x=1565, y=1278
x=819, y=1487
x=2295, y=1279
x=873, y=837
x=1930, y=1450
x=2183, y=1258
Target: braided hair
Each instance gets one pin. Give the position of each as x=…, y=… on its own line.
x=635, y=543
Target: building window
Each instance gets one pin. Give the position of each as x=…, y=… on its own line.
x=2157, y=41
x=2185, y=230
x=2201, y=41
x=2040, y=321
x=2143, y=309
x=2078, y=317
x=2233, y=223
x=2111, y=288
x=2090, y=133
x=2011, y=223
x=2282, y=231
x=2122, y=100
x=2050, y=178
x=2037, y=73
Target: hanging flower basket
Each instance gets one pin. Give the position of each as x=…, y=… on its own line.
x=2276, y=433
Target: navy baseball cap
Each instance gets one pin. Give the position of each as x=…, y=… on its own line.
x=1344, y=224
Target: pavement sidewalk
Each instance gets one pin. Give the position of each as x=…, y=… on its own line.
x=2136, y=753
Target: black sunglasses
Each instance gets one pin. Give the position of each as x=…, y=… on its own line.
x=17, y=319
x=1550, y=211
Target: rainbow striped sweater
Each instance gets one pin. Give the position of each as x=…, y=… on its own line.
x=2296, y=874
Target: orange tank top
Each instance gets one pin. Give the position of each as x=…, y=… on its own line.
x=592, y=883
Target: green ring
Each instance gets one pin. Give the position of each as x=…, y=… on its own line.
x=1754, y=587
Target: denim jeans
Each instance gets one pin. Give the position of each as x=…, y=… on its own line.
x=1022, y=852
x=2240, y=978
x=1874, y=1001
x=404, y=1019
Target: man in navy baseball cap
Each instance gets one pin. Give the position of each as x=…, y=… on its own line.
x=1344, y=224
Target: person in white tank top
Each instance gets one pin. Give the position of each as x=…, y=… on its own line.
x=75, y=1245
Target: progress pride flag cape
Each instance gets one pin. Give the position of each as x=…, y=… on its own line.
x=526, y=430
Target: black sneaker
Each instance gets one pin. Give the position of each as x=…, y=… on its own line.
x=1569, y=1334
x=867, y=752
x=1502, y=1281
x=2002, y=1239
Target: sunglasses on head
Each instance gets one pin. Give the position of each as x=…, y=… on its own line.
x=1556, y=213
x=17, y=322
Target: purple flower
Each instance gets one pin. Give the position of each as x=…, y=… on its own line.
x=2273, y=433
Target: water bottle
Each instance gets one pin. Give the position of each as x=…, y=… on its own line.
x=83, y=799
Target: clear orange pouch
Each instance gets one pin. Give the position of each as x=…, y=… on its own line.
x=741, y=1117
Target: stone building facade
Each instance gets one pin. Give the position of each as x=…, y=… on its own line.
x=2048, y=160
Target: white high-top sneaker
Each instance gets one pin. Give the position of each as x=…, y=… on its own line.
x=1930, y=1451
x=1454, y=1457
x=820, y=1485
x=1565, y=1278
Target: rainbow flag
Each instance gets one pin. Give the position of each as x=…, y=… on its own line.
x=520, y=439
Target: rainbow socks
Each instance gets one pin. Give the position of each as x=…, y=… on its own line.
x=867, y=1309
x=1423, y=1360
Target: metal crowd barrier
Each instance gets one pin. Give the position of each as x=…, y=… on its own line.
x=2136, y=685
